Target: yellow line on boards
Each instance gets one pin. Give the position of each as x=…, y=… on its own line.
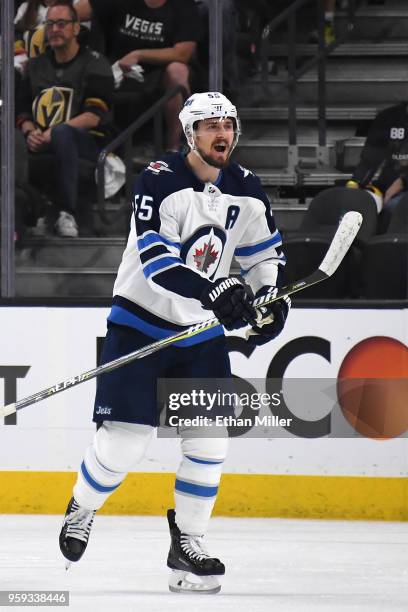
x=240, y=495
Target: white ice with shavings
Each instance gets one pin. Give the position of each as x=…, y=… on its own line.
x=273, y=565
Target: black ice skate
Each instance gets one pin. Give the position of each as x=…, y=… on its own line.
x=75, y=531
x=188, y=557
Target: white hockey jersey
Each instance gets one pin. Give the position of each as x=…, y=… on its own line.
x=184, y=235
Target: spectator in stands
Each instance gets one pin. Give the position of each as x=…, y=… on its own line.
x=386, y=146
x=29, y=30
x=63, y=108
x=30, y=36
x=150, y=44
x=329, y=12
x=329, y=16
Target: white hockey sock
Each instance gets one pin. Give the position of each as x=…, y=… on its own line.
x=95, y=482
x=195, y=493
x=198, y=477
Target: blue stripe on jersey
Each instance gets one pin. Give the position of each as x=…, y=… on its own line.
x=195, y=489
x=261, y=246
x=121, y=316
x=159, y=264
x=154, y=237
x=95, y=485
x=203, y=461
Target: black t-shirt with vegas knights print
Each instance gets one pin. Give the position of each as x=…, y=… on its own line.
x=51, y=93
x=130, y=25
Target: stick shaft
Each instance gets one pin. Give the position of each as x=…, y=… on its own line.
x=338, y=248
x=314, y=278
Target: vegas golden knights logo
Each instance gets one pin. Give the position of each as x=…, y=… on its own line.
x=53, y=106
x=37, y=42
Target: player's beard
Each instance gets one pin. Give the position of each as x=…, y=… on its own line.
x=213, y=162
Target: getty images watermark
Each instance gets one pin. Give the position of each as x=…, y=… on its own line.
x=214, y=402
x=288, y=408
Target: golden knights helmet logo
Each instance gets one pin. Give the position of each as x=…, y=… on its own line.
x=53, y=106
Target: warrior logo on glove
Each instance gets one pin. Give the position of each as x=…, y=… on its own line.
x=223, y=286
x=230, y=302
x=270, y=319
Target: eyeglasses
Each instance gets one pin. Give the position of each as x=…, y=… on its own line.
x=59, y=23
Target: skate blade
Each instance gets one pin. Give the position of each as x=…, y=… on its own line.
x=186, y=582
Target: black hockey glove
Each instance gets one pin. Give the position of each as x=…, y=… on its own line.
x=271, y=319
x=230, y=301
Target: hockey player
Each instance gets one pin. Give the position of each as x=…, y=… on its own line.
x=191, y=215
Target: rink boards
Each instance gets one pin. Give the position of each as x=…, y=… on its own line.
x=346, y=476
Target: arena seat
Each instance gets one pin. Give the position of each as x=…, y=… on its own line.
x=326, y=209
x=399, y=218
x=304, y=254
x=384, y=266
x=305, y=250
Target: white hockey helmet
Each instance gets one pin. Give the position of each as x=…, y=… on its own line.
x=207, y=105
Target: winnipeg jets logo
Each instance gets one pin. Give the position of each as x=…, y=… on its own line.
x=103, y=410
x=206, y=256
x=203, y=250
x=158, y=166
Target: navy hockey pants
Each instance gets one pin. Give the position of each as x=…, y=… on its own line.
x=129, y=393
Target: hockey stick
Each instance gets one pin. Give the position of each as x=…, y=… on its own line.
x=343, y=238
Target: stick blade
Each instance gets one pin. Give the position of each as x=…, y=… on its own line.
x=343, y=238
x=7, y=410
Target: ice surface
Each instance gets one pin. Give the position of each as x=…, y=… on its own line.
x=273, y=565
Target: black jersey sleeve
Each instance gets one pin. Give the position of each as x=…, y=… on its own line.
x=158, y=244
x=374, y=151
